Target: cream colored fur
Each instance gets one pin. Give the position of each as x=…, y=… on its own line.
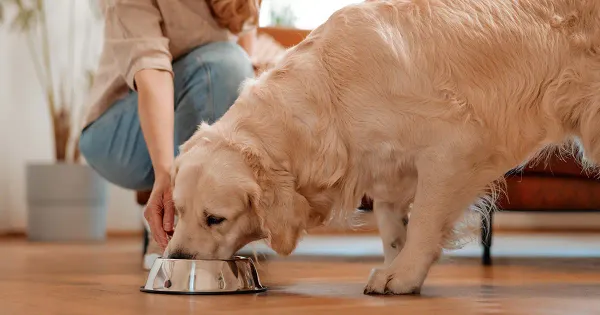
x=422, y=102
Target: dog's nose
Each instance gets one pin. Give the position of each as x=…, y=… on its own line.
x=180, y=254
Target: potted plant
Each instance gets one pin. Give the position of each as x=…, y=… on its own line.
x=283, y=16
x=66, y=199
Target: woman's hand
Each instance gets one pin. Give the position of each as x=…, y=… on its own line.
x=160, y=211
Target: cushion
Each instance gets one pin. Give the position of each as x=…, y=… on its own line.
x=550, y=193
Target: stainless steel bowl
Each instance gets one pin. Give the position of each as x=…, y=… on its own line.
x=183, y=276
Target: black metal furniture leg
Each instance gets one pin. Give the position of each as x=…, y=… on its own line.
x=486, y=238
x=146, y=241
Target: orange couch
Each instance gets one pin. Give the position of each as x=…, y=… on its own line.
x=559, y=185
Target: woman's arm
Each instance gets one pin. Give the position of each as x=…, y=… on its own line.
x=156, y=112
x=155, y=108
x=247, y=41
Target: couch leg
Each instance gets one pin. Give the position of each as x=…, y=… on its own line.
x=146, y=241
x=486, y=238
x=366, y=204
x=142, y=199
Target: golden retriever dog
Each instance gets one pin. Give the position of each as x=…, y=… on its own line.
x=420, y=103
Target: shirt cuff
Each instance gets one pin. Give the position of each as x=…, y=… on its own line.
x=157, y=61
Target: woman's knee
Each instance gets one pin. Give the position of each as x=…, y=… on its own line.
x=207, y=83
x=222, y=67
x=129, y=173
x=227, y=74
x=227, y=54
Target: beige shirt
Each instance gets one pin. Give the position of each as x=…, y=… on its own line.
x=146, y=34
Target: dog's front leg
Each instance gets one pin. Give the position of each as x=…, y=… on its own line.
x=442, y=196
x=392, y=220
x=391, y=206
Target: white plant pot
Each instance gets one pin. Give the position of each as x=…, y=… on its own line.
x=66, y=203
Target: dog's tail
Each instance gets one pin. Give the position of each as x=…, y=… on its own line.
x=476, y=217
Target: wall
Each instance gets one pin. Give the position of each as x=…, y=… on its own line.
x=548, y=221
x=4, y=130
x=24, y=119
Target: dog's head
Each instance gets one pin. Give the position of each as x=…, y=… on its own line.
x=227, y=194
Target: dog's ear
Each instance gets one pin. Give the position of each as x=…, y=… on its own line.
x=184, y=149
x=283, y=212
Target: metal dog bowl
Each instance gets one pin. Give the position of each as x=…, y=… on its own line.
x=183, y=276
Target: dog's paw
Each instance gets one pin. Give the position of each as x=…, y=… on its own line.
x=399, y=285
x=377, y=283
x=381, y=281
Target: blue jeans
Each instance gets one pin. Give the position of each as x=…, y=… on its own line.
x=206, y=84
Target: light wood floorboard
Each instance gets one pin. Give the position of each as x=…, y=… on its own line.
x=85, y=279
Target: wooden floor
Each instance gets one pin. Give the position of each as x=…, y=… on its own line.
x=104, y=279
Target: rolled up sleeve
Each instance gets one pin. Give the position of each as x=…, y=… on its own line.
x=134, y=37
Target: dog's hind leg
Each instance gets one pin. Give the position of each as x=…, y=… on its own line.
x=445, y=189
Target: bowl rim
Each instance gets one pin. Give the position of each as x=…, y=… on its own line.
x=258, y=290
x=234, y=258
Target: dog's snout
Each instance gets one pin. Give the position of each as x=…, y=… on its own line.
x=180, y=254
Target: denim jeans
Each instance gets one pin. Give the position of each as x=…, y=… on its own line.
x=206, y=83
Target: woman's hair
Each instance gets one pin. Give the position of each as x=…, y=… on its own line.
x=235, y=15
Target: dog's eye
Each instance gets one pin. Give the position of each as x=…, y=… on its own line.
x=214, y=220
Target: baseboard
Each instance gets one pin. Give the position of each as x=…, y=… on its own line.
x=109, y=234
x=118, y=234
x=12, y=234
x=338, y=231
x=545, y=230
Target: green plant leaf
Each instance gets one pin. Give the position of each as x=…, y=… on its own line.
x=283, y=17
x=90, y=77
x=3, y=5
x=18, y=3
x=95, y=8
x=7, y=2
x=26, y=20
